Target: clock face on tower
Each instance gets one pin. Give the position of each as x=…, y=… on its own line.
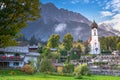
x=96, y=49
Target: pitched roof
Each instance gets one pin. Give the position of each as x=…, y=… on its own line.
x=15, y=49
x=33, y=54
x=89, y=40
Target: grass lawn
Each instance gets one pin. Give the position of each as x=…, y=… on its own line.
x=39, y=76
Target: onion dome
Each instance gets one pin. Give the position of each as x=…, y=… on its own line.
x=94, y=25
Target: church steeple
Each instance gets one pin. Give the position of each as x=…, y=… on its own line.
x=94, y=43
x=94, y=25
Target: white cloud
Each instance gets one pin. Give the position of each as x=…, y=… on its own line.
x=75, y=1
x=117, y=27
x=78, y=1
x=114, y=5
x=86, y=1
x=77, y=30
x=107, y=6
x=106, y=13
x=114, y=22
x=115, y=1
x=60, y=27
x=117, y=16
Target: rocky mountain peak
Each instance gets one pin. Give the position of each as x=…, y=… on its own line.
x=60, y=21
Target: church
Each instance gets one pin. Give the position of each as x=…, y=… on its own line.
x=94, y=41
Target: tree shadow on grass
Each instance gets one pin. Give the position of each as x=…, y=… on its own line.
x=87, y=78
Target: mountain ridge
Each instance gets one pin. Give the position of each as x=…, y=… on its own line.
x=61, y=21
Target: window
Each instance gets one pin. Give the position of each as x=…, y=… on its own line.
x=17, y=54
x=16, y=63
x=2, y=53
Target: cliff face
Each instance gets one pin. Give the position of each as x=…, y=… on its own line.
x=61, y=21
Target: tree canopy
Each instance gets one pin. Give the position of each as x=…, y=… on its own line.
x=109, y=43
x=68, y=41
x=14, y=15
x=53, y=41
x=118, y=46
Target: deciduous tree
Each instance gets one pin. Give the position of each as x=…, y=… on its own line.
x=68, y=41
x=14, y=15
x=53, y=41
x=118, y=46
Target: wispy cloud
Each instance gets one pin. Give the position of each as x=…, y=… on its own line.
x=78, y=1
x=60, y=27
x=117, y=16
x=75, y=1
x=114, y=7
x=106, y=13
x=115, y=22
x=107, y=6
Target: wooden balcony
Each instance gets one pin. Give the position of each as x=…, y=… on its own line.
x=11, y=58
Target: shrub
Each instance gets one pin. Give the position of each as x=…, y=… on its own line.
x=78, y=77
x=81, y=70
x=68, y=68
x=12, y=72
x=75, y=54
x=46, y=66
x=27, y=69
x=118, y=67
x=63, y=52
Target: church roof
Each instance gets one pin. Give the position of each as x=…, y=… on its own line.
x=89, y=40
x=94, y=25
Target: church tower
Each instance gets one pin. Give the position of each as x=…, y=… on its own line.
x=94, y=43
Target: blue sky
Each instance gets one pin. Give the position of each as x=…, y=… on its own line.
x=92, y=9
x=102, y=11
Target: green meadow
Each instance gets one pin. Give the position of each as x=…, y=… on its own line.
x=16, y=75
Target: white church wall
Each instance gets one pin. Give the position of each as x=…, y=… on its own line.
x=94, y=43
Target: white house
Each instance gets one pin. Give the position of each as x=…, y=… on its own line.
x=16, y=56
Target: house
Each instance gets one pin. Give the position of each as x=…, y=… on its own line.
x=17, y=56
x=116, y=52
x=59, y=67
